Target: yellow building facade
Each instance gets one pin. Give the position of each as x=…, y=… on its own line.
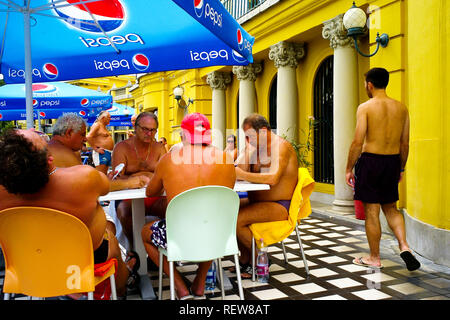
x=299, y=46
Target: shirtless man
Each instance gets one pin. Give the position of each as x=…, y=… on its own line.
x=69, y=135
x=267, y=158
x=179, y=171
x=28, y=177
x=140, y=154
x=380, y=150
x=101, y=142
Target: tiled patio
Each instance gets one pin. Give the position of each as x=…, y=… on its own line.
x=330, y=246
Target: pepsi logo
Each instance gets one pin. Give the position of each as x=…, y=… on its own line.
x=82, y=113
x=84, y=102
x=50, y=71
x=1, y=116
x=240, y=39
x=35, y=103
x=198, y=7
x=109, y=14
x=113, y=109
x=238, y=57
x=42, y=114
x=43, y=88
x=140, y=62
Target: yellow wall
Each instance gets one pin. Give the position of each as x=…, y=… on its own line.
x=428, y=168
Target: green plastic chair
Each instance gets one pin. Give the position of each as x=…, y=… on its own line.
x=201, y=226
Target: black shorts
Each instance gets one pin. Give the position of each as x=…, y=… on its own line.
x=377, y=177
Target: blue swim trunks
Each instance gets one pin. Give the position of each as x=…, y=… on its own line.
x=104, y=158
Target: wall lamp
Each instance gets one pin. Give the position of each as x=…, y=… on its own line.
x=355, y=21
x=178, y=94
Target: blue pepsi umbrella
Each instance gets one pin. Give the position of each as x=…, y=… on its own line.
x=77, y=39
x=50, y=100
x=120, y=116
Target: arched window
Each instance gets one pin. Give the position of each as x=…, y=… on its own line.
x=273, y=105
x=323, y=113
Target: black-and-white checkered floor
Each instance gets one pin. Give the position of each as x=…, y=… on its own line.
x=330, y=249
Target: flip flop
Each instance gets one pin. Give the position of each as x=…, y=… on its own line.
x=133, y=278
x=359, y=261
x=410, y=261
x=202, y=297
x=187, y=297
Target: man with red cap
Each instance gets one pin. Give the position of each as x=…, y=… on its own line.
x=179, y=171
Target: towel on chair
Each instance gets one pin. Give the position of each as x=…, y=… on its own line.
x=276, y=231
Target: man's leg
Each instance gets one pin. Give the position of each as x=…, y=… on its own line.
x=397, y=224
x=153, y=254
x=253, y=213
x=373, y=233
x=198, y=285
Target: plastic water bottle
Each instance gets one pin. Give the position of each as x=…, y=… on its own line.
x=262, y=264
x=210, y=283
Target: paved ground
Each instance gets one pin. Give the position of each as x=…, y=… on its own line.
x=330, y=244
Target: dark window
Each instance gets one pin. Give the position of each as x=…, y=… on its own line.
x=273, y=105
x=323, y=113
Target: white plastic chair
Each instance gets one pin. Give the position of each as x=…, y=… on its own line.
x=201, y=226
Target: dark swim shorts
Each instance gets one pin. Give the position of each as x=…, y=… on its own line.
x=158, y=236
x=377, y=177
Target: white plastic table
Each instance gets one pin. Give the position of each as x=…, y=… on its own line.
x=138, y=217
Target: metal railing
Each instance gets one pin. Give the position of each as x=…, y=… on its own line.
x=239, y=8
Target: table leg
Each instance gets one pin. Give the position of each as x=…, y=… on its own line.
x=138, y=216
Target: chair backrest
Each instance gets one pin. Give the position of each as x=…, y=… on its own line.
x=47, y=252
x=201, y=224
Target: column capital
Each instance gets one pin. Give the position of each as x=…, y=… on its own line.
x=334, y=31
x=218, y=80
x=287, y=54
x=248, y=72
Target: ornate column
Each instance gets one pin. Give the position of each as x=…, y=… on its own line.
x=345, y=102
x=247, y=94
x=218, y=82
x=286, y=56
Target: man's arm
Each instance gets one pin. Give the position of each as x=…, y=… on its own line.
x=277, y=167
x=155, y=187
x=404, y=142
x=92, y=134
x=357, y=145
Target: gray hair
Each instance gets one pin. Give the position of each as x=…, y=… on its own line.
x=68, y=121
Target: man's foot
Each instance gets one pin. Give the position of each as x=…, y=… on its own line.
x=360, y=262
x=133, y=263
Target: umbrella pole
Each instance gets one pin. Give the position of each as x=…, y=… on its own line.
x=28, y=71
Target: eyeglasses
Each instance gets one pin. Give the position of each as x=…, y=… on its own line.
x=230, y=141
x=147, y=130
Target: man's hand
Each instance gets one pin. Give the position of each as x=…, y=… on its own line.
x=138, y=182
x=350, y=178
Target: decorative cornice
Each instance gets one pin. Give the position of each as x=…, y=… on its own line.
x=248, y=72
x=334, y=31
x=287, y=54
x=218, y=80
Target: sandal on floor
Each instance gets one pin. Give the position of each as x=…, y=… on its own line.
x=133, y=277
x=411, y=262
x=202, y=297
x=246, y=271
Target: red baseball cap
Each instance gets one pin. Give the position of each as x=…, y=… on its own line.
x=196, y=128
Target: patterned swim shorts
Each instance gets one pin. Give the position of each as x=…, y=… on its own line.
x=158, y=236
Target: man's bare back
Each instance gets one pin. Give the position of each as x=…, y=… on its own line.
x=185, y=169
x=74, y=190
x=386, y=119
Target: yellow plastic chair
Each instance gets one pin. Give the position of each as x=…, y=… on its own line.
x=201, y=226
x=48, y=253
x=278, y=231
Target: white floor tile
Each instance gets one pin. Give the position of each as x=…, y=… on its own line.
x=344, y=283
x=371, y=294
x=270, y=294
x=308, y=288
